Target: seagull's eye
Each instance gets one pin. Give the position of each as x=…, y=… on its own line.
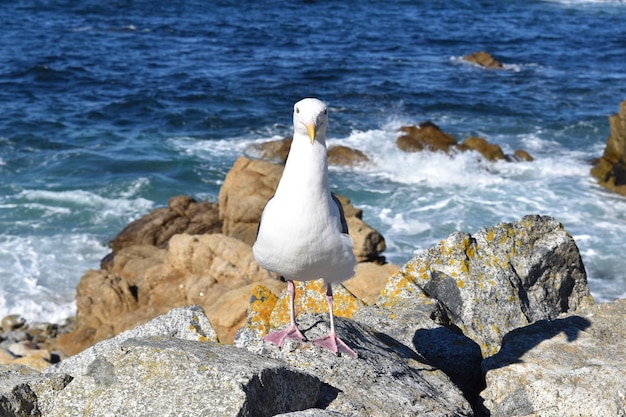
x=325, y=111
x=297, y=110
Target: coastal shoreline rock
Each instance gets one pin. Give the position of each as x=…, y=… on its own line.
x=610, y=168
x=423, y=343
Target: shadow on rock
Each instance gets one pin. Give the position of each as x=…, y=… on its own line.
x=519, y=341
x=456, y=355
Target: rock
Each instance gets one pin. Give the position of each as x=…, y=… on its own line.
x=384, y=369
x=483, y=59
x=521, y=155
x=574, y=365
x=143, y=282
x=183, y=215
x=490, y=151
x=404, y=312
x=185, y=323
x=278, y=150
x=247, y=187
x=502, y=278
x=369, y=279
x=22, y=389
x=610, y=169
x=426, y=136
x=346, y=156
x=311, y=297
x=12, y=322
x=251, y=183
x=273, y=150
x=198, y=378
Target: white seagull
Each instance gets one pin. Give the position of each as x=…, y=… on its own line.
x=303, y=233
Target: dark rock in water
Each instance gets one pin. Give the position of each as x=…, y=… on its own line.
x=610, y=169
x=483, y=59
x=346, y=156
x=490, y=151
x=522, y=155
x=426, y=136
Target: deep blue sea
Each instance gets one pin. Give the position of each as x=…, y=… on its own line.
x=107, y=109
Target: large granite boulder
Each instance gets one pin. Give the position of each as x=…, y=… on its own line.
x=572, y=366
x=387, y=378
x=610, y=168
x=501, y=278
x=251, y=183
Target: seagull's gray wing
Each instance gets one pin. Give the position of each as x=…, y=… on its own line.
x=342, y=217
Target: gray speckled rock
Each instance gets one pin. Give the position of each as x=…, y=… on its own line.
x=387, y=378
x=21, y=386
x=174, y=377
x=572, y=366
x=186, y=323
x=499, y=279
x=416, y=321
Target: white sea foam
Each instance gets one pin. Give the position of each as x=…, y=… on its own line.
x=41, y=272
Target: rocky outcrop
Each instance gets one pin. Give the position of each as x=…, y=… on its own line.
x=426, y=136
x=429, y=137
x=278, y=150
x=178, y=256
x=574, y=365
x=496, y=323
x=183, y=214
x=610, y=168
x=251, y=183
x=499, y=279
x=483, y=59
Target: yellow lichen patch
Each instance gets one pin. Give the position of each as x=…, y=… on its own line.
x=491, y=235
x=262, y=303
x=460, y=283
x=311, y=298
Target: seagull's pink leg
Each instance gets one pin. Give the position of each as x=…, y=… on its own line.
x=292, y=332
x=331, y=341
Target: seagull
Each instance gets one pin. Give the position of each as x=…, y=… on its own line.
x=303, y=234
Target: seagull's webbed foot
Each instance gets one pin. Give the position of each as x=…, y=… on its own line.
x=278, y=338
x=333, y=343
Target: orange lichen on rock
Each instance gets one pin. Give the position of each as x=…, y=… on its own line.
x=262, y=303
x=311, y=298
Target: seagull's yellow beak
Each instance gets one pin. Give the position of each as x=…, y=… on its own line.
x=310, y=130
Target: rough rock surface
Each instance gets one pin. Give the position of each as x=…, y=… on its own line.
x=142, y=282
x=483, y=59
x=572, y=366
x=387, y=378
x=278, y=150
x=610, y=169
x=429, y=137
x=501, y=278
x=251, y=183
x=183, y=214
x=426, y=136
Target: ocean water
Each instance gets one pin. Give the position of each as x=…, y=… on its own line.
x=107, y=109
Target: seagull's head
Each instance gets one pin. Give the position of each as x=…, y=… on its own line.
x=310, y=118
